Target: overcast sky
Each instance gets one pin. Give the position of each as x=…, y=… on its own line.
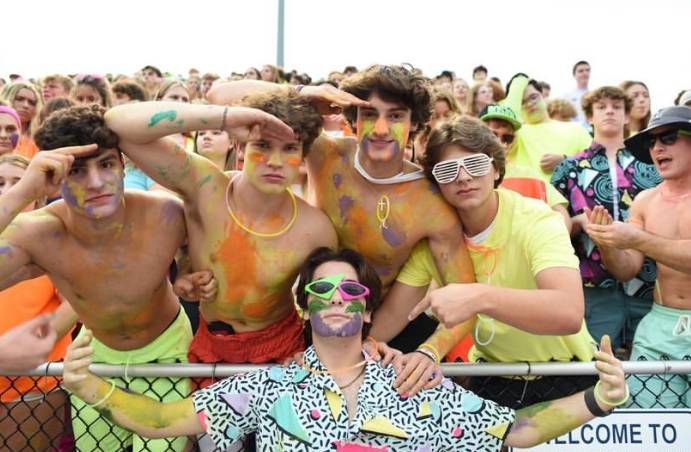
x=622, y=39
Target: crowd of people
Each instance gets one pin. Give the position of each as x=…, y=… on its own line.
x=377, y=213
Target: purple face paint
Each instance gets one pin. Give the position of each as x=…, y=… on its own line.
x=337, y=180
x=14, y=139
x=348, y=329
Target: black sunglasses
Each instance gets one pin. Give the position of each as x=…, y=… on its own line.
x=668, y=137
x=505, y=138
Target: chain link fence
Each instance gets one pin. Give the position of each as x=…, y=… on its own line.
x=41, y=417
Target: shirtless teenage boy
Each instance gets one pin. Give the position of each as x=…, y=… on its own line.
x=246, y=227
x=658, y=227
x=105, y=251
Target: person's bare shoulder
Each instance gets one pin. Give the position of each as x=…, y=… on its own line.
x=316, y=224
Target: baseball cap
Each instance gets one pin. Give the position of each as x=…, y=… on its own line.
x=496, y=111
x=679, y=116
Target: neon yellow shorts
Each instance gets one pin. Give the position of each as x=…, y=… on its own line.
x=93, y=432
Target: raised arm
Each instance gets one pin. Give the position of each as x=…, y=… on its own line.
x=547, y=420
x=43, y=177
x=143, y=127
x=135, y=412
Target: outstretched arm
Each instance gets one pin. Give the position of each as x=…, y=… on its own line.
x=135, y=412
x=543, y=421
x=143, y=127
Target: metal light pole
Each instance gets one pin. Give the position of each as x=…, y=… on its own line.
x=279, y=39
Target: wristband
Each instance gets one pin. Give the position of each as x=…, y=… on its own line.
x=431, y=348
x=223, y=120
x=105, y=397
x=298, y=88
x=603, y=401
x=428, y=354
x=591, y=404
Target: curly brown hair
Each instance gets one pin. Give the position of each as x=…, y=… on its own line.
x=469, y=133
x=76, y=126
x=392, y=84
x=291, y=108
x=604, y=92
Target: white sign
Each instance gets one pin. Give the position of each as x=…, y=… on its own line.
x=626, y=431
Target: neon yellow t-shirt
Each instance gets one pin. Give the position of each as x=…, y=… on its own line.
x=551, y=137
x=529, y=237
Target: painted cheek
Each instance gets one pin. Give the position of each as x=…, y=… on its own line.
x=400, y=132
x=293, y=161
x=365, y=130
x=73, y=194
x=355, y=306
x=256, y=157
x=315, y=305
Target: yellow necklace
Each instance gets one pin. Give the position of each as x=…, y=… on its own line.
x=262, y=234
x=346, y=369
x=383, y=210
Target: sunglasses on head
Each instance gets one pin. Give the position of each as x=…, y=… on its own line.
x=476, y=165
x=505, y=138
x=668, y=137
x=325, y=288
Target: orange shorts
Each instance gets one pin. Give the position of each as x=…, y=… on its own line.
x=274, y=343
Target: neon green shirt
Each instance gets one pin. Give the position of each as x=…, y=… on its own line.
x=551, y=137
x=528, y=237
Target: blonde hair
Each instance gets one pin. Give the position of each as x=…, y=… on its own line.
x=561, y=107
x=9, y=93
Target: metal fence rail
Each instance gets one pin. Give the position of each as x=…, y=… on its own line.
x=42, y=420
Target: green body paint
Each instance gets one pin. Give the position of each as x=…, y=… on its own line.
x=170, y=115
x=399, y=133
x=203, y=181
x=355, y=306
x=368, y=128
x=317, y=305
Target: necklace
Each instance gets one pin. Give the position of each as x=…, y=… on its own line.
x=350, y=383
x=383, y=210
x=487, y=252
x=346, y=369
x=261, y=234
x=400, y=177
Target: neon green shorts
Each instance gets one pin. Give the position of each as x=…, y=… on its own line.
x=92, y=432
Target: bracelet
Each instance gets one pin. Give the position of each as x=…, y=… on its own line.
x=427, y=353
x=223, y=121
x=591, y=404
x=105, y=397
x=298, y=88
x=433, y=349
x=603, y=401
